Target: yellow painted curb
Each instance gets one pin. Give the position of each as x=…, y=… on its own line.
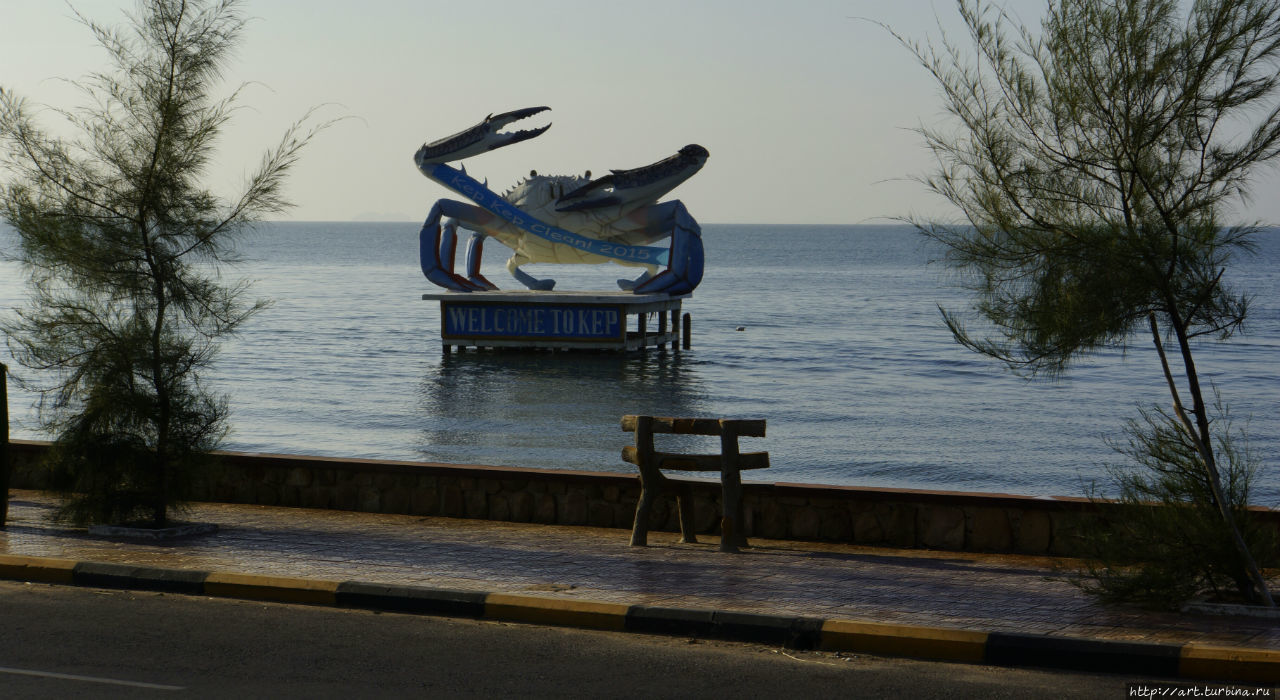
x=281, y=589
x=43, y=569
x=556, y=611
x=904, y=640
x=1229, y=663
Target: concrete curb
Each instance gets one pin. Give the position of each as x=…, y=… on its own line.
x=1189, y=660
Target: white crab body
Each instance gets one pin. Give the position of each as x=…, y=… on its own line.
x=538, y=195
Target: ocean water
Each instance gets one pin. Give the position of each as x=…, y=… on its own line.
x=841, y=349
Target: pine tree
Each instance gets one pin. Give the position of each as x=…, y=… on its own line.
x=125, y=251
x=1094, y=162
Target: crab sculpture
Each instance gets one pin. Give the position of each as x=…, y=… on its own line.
x=560, y=218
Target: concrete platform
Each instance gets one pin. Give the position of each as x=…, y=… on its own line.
x=1010, y=610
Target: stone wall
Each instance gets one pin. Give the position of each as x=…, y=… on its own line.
x=894, y=517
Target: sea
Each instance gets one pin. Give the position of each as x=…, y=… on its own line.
x=830, y=333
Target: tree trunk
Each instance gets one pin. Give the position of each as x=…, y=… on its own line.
x=4, y=445
x=160, y=477
x=1204, y=444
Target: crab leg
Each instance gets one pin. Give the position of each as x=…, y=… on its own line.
x=528, y=280
x=436, y=244
x=627, y=285
x=686, y=259
x=475, y=251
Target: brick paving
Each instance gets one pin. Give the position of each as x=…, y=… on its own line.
x=988, y=593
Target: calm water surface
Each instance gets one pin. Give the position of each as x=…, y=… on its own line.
x=842, y=350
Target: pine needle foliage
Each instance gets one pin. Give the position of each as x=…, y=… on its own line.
x=1161, y=555
x=1093, y=162
x=125, y=251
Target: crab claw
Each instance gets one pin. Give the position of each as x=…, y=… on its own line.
x=480, y=138
x=638, y=185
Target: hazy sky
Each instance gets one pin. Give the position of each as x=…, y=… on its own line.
x=805, y=108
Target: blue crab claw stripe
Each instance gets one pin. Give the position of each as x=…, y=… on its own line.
x=483, y=137
x=468, y=187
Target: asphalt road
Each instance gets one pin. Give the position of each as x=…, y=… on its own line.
x=60, y=641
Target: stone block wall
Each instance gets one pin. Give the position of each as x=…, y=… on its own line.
x=913, y=518
x=891, y=517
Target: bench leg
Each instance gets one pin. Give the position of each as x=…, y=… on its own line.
x=640, y=528
x=650, y=476
x=732, y=535
x=688, y=514
x=651, y=482
x=740, y=534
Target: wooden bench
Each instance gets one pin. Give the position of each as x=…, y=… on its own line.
x=730, y=462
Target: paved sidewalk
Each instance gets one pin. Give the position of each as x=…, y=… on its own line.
x=985, y=593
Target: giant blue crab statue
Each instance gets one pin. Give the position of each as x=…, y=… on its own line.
x=560, y=218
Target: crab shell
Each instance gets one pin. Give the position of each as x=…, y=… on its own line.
x=539, y=194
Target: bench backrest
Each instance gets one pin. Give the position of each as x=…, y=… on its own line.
x=699, y=426
x=644, y=455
